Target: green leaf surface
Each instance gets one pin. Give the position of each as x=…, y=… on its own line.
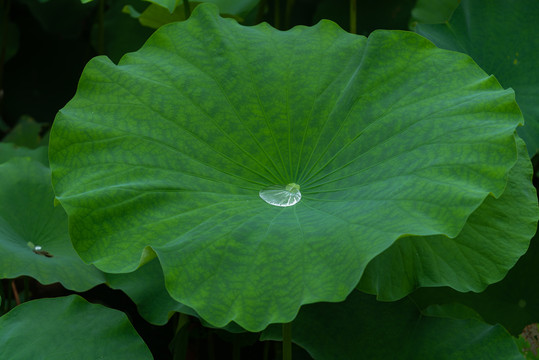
x=363, y=328
x=68, y=328
x=170, y=149
x=234, y=7
x=28, y=218
x=10, y=150
x=495, y=236
x=496, y=34
x=146, y=287
x=3, y=126
x=129, y=9
x=451, y=311
x=156, y=16
x=433, y=11
x=512, y=302
x=167, y=4
x=26, y=133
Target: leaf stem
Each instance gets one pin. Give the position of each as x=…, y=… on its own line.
x=15, y=293
x=101, y=28
x=8, y=297
x=266, y=350
x=26, y=292
x=187, y=9
x=287, y=341
x=288, y=13
x=183, y=320
x=261, y=10
x=236, y=350
x=3, y=298
x=277, y=15
x=211, y=346
x=353, y=16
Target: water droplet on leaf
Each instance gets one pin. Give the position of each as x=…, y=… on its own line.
x=39, y=250
x=281, y=195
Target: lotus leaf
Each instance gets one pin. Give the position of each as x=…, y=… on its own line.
x=363, y=328
x=68, y=328
x=495, y=236
x=496, y=34
x=385, y=137
x=34, y=238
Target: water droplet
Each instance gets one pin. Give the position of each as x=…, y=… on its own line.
x=281, y=195
x=38, y=249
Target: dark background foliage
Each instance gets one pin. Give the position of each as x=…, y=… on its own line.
x=57, y=38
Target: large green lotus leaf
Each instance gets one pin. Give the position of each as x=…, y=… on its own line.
x=363, y=328
x=28, y=218
x=512, y=302
x=496, y=34
x=68, y=328
x=170, y=148
x=146, y=287
x=490, y=243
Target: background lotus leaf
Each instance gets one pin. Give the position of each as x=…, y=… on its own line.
x=497, y=35
x=68, y=328
x=9, y=151
x=491, y=242
x=433, y=11
x=167, y=4
x=378, y=147
x=26, y=134
x=123, y=33
x=155, y=16
x=236, y=7
x=363, y=328
x=29, y=218
x=146, y=287
x=10, y=34
x=512, y=302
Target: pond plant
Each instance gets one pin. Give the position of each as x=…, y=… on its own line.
x=311, y=186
